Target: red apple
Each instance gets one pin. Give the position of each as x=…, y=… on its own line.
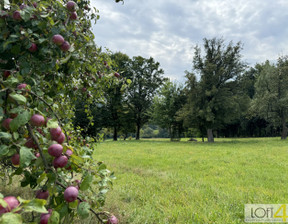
x=71, y=6
x=37, y=120
x=15, y=159
x=55, y=150
x=23, y=6
x=12, y=115
x=73, y=16
x=71, y=194
x=55, y=133
x=12, y=203
x=16, y=15
x=68, y=152
x=61, y=138
x=6, y=73
x=6, y=123
x=58, y=39
x=112, y=220
x=60, y=162
x=65, y=46
x=33, y=48
x=21, y=86
x=31, y=144
x=44, y=218
x=42, y=194
x=116, y=74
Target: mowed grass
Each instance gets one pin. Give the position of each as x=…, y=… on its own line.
x=159, y=181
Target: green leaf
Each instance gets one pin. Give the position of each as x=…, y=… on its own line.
x=5, y=135
x=15, y=135
x=18, y=98
x=26, y=156
x=11, y=218
x=65, y=60
x=102, y=167
x=76, y=159
x=73, y=205
x=54, y=218
x=25, y=15
x=1, y=113
x=3, y=203
x=35, y=205
x=20, y=120
x=4, y=149
x=83, y=210
x=52, y=123
x=129, y=81
x=41, y=178
x=62, y=209
x=11, y=80
x=85, y=184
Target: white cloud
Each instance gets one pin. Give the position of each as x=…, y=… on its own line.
x=168, y=30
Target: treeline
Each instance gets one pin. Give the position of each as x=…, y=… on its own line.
x=222, y=97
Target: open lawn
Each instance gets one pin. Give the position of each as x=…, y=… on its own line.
x=193, y=182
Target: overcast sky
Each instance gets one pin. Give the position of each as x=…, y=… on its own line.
x=168, y=30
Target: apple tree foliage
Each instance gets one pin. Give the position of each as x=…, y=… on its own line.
x=48, y=59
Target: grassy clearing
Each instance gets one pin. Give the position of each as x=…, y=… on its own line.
x=193, y=182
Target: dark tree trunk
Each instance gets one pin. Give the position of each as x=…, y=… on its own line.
x=284, y=129
x=210, y=135
x=115, y=134
x=138, y=132
x=170, y=133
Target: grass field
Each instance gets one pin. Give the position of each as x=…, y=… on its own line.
x=193, y=182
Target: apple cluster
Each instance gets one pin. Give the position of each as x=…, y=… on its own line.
x=72, y=6
x=59, y=40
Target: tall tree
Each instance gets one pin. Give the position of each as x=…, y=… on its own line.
x=171, y=98
x=213, y=99
x=114, y=94
x=146, y=76
x=271, y=99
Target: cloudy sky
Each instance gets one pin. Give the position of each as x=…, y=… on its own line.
x=168, y=30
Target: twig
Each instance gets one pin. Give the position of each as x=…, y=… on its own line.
x=35, y=139
x=55, y=114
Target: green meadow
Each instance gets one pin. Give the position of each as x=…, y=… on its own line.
x=159, y=181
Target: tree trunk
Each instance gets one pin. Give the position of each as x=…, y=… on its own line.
x=115, y=134
x=210, y=135
x=138, y=132
x=284, y=129
x=170, y=133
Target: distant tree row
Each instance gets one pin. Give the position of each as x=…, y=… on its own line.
x=127, y=101
x=222, y=96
